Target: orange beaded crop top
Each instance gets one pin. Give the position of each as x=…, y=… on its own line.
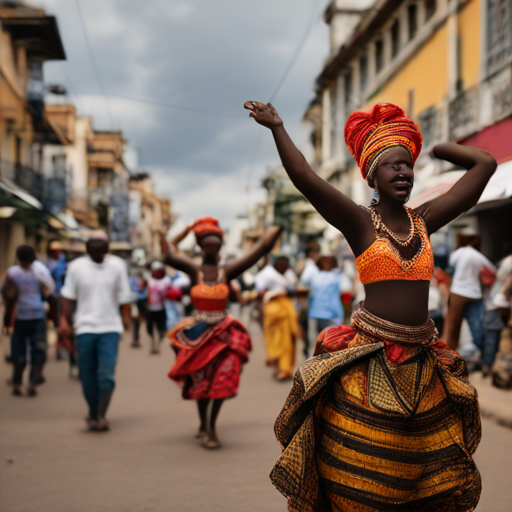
x=390, y=258
x=210, y=297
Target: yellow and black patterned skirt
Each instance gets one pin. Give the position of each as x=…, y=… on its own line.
x=383, y=418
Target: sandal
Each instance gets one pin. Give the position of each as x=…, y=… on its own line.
x=201, y=434
x=282, y=376
x=92, y=424
x=209, y=443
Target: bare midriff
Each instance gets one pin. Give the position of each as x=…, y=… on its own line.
x=401, y=302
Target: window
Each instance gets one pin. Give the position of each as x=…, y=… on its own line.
x=363, y=73
x=379, y=55
x=348, y=88
x=395, y=38
x=410, y=103
x=430, y=8
x=499, y=34
x=59, y=166
x=412, y=15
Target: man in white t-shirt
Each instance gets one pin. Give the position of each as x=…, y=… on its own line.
x=95, y=288
x=465, y=299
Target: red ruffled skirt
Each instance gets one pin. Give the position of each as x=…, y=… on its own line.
x=209, y=366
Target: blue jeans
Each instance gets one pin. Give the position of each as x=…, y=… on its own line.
x=491, y=346
x=474, y=313
x=323, y=323
x=31, y=333
x=97, y=356
x=494, y=324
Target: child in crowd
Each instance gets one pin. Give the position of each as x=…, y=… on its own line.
x=159, y=286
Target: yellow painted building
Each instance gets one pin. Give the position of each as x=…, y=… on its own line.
x=422, y=82
x=448, y=64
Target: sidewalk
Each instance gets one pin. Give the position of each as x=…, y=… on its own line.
x=495, y=403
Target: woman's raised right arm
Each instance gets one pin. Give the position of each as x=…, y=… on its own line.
x=333, y=206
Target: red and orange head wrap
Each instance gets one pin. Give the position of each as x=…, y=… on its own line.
x=370, y=135
x=207, y=226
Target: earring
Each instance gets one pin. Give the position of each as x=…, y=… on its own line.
x=376, y=196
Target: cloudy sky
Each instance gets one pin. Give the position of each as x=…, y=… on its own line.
x=199, y=54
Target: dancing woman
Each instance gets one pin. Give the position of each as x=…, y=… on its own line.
x=211, y=346
x=384, y=417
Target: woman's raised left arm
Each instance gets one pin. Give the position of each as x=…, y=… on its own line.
x=262, y=247
x=466, y=192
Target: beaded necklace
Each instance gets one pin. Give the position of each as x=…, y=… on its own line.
x=380, y=226
x=417, y=228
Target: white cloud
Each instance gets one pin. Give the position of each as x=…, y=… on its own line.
x=204, y=55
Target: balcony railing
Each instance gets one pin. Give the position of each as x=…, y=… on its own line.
x=51, y=192
x=463, y=112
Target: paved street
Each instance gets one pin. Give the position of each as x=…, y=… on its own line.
x=150, y=462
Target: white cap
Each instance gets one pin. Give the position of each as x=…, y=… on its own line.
x=157, y=265
x=97, y=234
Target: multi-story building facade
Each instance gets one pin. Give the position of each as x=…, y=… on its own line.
x=148, y=214
x=448, y=64
x=97, y=178
x=286, y=206
x=108, y=184
x=28, y=198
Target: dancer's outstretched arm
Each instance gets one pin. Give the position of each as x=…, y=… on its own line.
x=179, y=261
x=466, y=192
x=335, y=207
x=262, y=247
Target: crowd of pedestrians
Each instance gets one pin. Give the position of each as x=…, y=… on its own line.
x=92, y=299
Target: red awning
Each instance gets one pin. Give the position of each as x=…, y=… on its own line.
x=495, y=139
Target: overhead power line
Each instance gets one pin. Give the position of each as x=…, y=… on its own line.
x=312, y=19
x=95, y=66
x=309, y=27
x=170, y=105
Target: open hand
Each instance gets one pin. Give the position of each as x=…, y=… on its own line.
x=266, y=115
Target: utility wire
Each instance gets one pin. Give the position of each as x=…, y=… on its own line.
x=253, y=162
x=303, y=40
x=91, y=54
x=312, y=19
x=72, y=90
x=170, y=105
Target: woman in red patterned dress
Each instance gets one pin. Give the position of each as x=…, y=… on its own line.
x=211, y=345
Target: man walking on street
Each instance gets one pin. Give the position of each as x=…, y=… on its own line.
x=96, y=287
x=27, y=283
x=465, y=300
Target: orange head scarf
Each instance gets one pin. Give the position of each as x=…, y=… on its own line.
x=207, y=226
x=369, y=136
